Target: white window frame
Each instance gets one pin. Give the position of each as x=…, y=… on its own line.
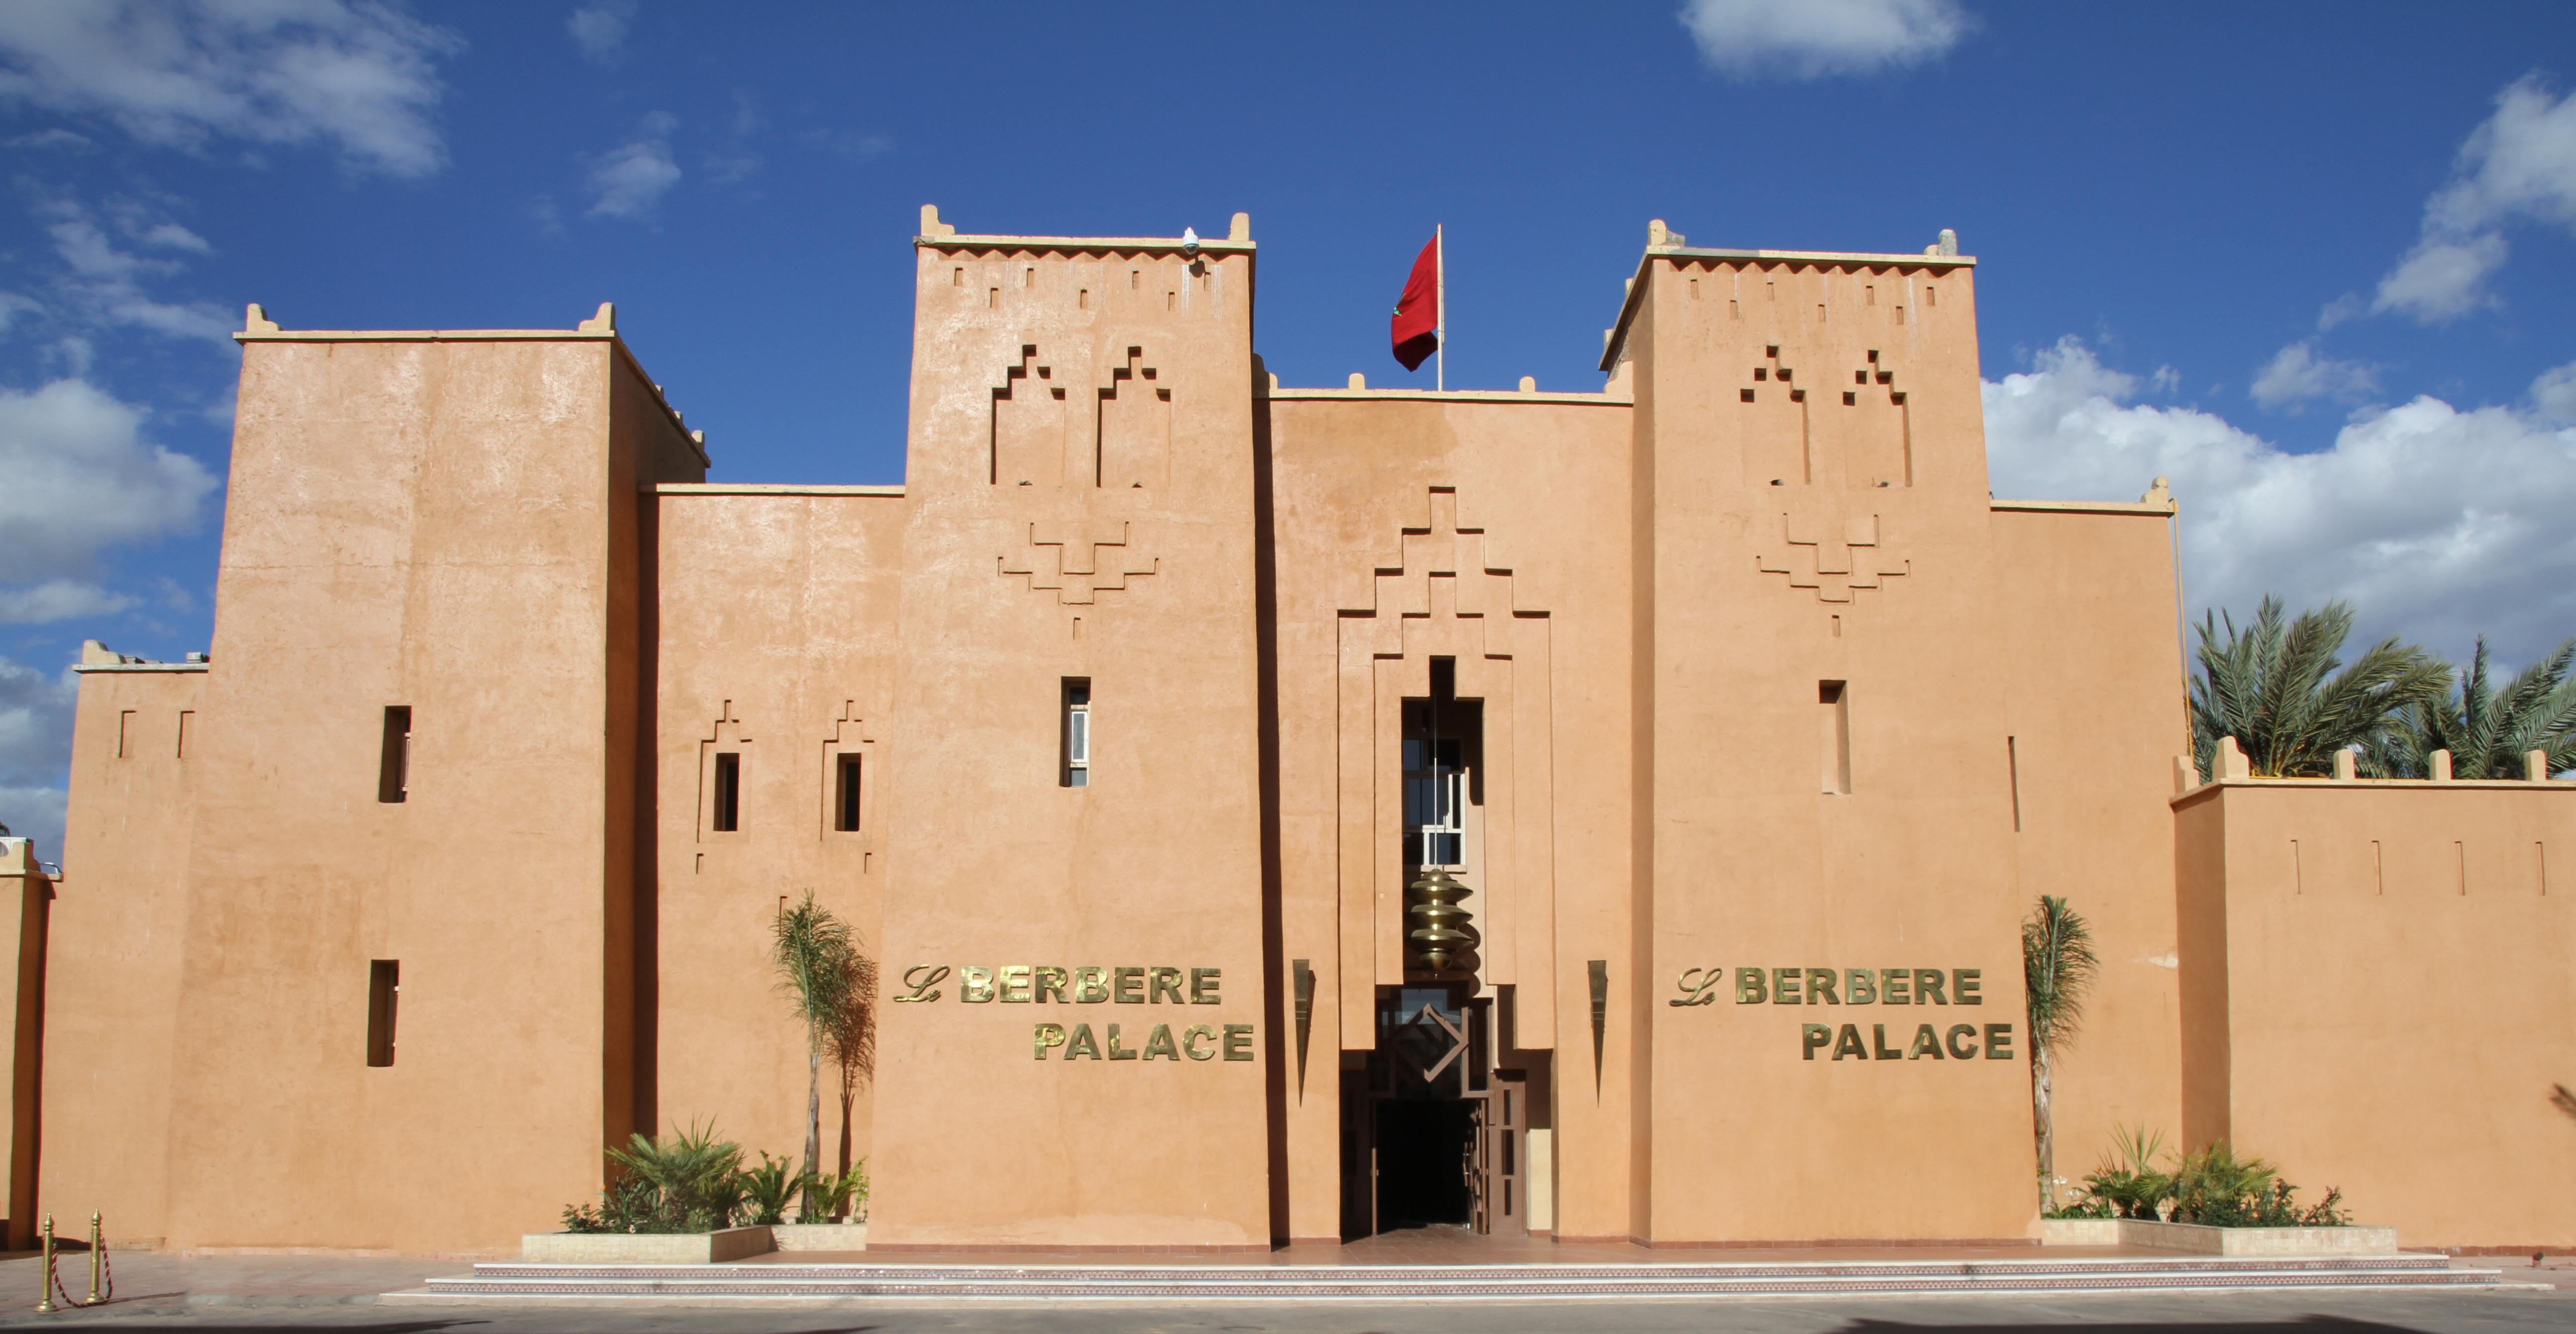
x=1447, y=789
x=1077, y=733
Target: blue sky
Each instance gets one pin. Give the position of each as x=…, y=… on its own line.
x=2312, y=261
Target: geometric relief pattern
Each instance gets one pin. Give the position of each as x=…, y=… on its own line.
x=1443, y=591
x=1834, y=564
x=1079, y=559
x=1439, y=570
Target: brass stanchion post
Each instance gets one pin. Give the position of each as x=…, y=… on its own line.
x=46, y=1302
x=95, y=1250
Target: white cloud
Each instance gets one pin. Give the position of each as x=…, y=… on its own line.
x=81, y=477
x=599, y=29
x=631, y=178
x=2520, y=164
x=172, y=236
x=2517, y=166
x=57, y=138
x=35, y=812
x=2441, y=280
x=104, y=285
x=13, y=305
x=359, y=75
x=2436, y=523
x=2296, y=374
x=2553, y=395
x=58, y=600
x=851, y=144
x=35, y=748
x=1810, y=39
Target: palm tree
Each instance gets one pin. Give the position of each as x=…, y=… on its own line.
x=2057, y=966
x=810, y=948
x=2487, y=728
x=2269, y=687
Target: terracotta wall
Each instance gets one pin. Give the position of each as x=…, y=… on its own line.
x=2399, y=1014
x=1812, y=448
x=27, y=888
x=2092, y=669
x=1648, y=588
x=430, y=521
x=118, y=918
x=776, y=644
x=1490, y=529
x=1067, y=519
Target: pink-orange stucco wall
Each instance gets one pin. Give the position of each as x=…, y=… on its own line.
x=1769, y=684
x=432, y=521
x=113, y=994
x=776, y=644
x=1490, y=529
x=1079, y=505
x=2399, y=1016
x=2089, y=618
x=1819, y=514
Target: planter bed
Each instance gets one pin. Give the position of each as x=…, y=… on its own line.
x=820, y=1236
x=2194, y=1239
x=648, y=1248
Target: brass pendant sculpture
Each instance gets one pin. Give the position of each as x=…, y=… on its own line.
x=1439, y=945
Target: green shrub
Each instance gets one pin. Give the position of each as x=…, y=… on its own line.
x=2128, y=1184
x=690, y=1182
x=2215, y=1188
x=766, y=1189
x=841, y=1196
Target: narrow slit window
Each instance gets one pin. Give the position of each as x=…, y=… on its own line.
x=1077, y=731
x=393, y=766
x=124, y=734
x=2012, y=763
x=1833, y=702
x=725, y=815
x=384, y=989
x=845, y=793
x=187, y=724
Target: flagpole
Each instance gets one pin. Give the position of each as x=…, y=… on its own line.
x=1440, y=349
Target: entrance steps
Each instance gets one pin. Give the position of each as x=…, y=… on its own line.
x=1194, y=1282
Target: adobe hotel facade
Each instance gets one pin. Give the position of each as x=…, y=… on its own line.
x=1280, y=813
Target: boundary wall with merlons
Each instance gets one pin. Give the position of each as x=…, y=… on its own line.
x=2379, y=994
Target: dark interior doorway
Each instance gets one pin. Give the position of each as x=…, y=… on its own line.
x=1423, y=1155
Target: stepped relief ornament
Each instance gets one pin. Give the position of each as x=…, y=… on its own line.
x=1079, y=560
x=1835, y=560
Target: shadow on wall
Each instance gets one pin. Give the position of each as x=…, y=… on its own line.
x=2561, y=1099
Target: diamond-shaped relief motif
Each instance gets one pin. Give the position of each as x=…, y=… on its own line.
x=1833, y=563
x=1079, y=560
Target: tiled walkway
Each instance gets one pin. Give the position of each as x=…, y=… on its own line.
x=1459, y=1246
x=147, y=1280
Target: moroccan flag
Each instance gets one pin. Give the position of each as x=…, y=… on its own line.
x=1417, y=312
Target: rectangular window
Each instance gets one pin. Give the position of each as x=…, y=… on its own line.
x=384, y=987
x=1077, y=731
x=726, y=817
x=187, y=724
x=1833, y=701
x=124, y=731
x=845, y=793
x=393, y=767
